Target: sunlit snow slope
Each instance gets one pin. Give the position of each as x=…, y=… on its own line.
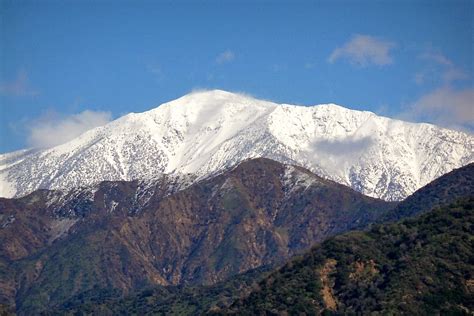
x=205, y=132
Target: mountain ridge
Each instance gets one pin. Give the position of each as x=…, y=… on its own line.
x=126, y=235
x=441, y=191
x=400, y=255
x=420, y=265
x=204, y=133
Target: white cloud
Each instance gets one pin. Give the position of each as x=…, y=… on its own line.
x=364, y=50
x=18, y=87
x=331, y=153
x=453, y=73
x=445, y=106
x=437, y=57
x=51, y=129
x=225, y=57
x=441, y=69
x=344, y=146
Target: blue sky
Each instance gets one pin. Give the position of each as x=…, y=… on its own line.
x=71, y=65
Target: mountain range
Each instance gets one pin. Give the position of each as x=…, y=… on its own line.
x=199, y=200
x=420, y=265
x=205, y=133
x=125, y=235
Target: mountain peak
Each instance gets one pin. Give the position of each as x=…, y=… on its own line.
x=206, y=132
x=212, y=96
x=216, y=93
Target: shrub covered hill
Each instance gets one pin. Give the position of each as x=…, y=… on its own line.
x=421, y=265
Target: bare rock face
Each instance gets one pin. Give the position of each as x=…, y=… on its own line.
x=127, y=235
x=205, y=133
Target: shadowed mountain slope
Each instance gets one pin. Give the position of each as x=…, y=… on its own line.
x=419, y=266
x=422, y=265
x=129, y=235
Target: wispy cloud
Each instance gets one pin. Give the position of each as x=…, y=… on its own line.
x=364, y=50
x=20, y=86
x=440, y=68
x=436, y=57
x=445, y=106
x=344, y=146
x=331, y=153
x=454, y=74
x=225, y=57
x=52, y=129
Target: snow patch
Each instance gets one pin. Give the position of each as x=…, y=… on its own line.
x=60, y=227
x=294, y=179
x=226, y=186
x=7, y=189
x=113, y=205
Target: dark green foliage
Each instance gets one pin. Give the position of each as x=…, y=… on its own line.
x=162, y=300
x=421, y=266
x=6, y=310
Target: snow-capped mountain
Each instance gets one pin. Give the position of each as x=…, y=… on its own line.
x=204, y=133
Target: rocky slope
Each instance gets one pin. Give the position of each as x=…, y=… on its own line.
x=207, y=132
x=127, y=235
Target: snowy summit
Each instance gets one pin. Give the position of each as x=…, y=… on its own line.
x=203, y=133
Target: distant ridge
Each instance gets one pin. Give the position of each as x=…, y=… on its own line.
x=447, y=189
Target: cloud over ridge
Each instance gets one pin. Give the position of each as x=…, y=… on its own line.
x=51, y=129
x=447, y=106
